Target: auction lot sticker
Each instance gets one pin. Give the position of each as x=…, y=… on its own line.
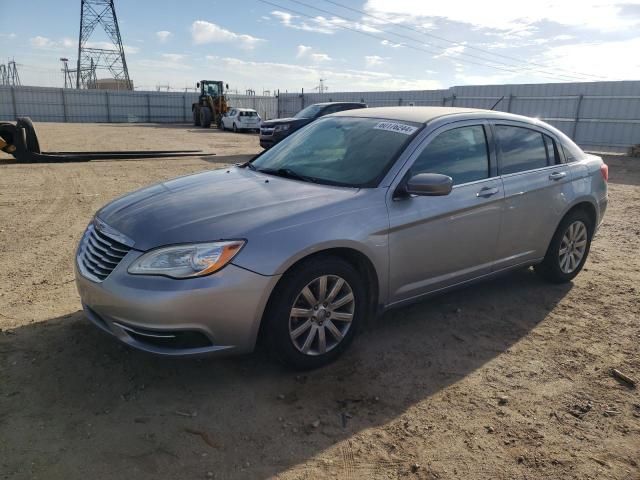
x=395, y=127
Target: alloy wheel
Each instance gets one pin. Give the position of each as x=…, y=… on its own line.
x=572, y=247
x=321, y=315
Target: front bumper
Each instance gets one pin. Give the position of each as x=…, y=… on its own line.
x=268, y=140
x=220, y=313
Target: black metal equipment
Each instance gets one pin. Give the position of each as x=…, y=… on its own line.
x=21, y=141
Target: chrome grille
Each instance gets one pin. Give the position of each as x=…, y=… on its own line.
x=99, y=254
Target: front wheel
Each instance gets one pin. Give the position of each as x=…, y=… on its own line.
x=196, y=118
x=205, y=117
x=569, y=248
x=315, y=312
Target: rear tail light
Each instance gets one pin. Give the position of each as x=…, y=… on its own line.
x=604, y=171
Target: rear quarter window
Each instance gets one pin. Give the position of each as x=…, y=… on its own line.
x=572, y=152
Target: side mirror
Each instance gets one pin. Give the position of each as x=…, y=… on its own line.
x=429, y=184
x=227, y=86
x=198, y=85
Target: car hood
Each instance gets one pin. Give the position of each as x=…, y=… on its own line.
x=281, y=121
x=220, y=204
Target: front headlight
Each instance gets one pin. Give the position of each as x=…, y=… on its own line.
x=187, y=261
x=281, y=128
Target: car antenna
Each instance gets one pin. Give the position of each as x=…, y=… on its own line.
x=496, y=104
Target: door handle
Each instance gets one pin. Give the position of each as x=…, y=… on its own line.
x=557, y=175
x=487, y=192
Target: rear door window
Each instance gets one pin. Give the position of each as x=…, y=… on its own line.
x=520, y=149
x=460, y=153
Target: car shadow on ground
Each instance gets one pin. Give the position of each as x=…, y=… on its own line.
x=76, y=403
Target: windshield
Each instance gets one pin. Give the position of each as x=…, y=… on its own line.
x=211, y=89
x=309, y=112
x=354, y=152
x=248, y=114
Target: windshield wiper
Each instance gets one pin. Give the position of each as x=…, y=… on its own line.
x=288, y=173
x=248, y=164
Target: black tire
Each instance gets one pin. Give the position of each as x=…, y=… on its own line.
x=205, y=117
x=235, y=128
x=550, y=268
x=196, y=117
x=277, y=317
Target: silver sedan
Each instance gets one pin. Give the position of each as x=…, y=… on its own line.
x=358, y=212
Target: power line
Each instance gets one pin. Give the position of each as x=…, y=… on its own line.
x=548, y=74
x=443, y=39
x=297, y=12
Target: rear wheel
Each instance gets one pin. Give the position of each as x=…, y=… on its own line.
x=315, y=312
x=205, y=117
x=196, y=117
x=569, y=248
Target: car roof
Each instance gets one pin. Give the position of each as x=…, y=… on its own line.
x=427, y=114
x=324, y=104
x=243, y=109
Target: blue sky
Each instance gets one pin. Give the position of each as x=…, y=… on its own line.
x=370, y=45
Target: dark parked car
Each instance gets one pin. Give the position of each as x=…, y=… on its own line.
x=273, y=131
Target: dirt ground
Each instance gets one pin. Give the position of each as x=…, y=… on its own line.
x=417, y=395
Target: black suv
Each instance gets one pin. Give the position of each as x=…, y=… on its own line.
x=272, y=131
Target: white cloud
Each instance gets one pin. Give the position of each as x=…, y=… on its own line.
x=563, y=37
x=174, y=57
x=163, y=35
x=320, y=57
x=387, y=43
x=608, y=59
x=454, y=51
x=320, y=24
x=291, y=21
x=293, y=77
x=206, y=32
x=41, y=42
x=303, y=50
x=374, y=60
x=507, y=15
x=10, y=36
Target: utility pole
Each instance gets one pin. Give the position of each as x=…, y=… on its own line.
x=13, y=78
x=68, y=81
x=92, y=14
x=321, y=86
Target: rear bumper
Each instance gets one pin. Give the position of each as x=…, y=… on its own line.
x=602, y=208
x=220, y=313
